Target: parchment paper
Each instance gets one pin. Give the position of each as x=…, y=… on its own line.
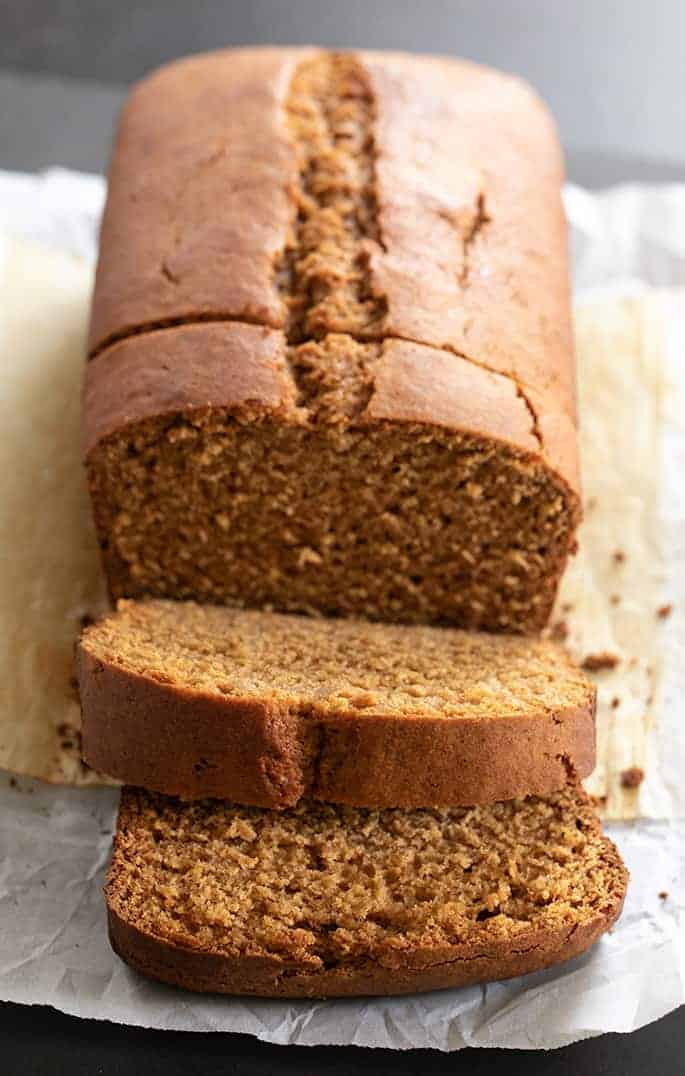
x=614, y=606
x=54, y=841
x=50, y=577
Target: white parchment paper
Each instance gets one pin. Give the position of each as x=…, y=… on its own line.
x=54, y=842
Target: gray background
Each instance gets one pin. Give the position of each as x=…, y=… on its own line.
x=612, y=70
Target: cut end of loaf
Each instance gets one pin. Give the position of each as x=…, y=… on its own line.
x=402, y=523
x=336, y=900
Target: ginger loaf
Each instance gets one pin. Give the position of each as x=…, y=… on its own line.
x=331, y=365
x=265, y=708
x=332, y=901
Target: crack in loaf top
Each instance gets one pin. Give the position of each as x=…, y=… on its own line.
x=380, y=195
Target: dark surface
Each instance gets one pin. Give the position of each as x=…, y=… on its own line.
x=610, y=69
x=42, y=1042
x=613, y=75
x=48, y=120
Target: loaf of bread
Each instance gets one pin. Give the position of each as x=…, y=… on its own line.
x=331, y=354
x=324, y=900
x=262, y=708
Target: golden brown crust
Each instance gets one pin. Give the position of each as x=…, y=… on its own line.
x=198, y=197
x=414, y=383
x=174, y=371
x=471, y=255
x=421, y=971
x=469, y=157
x=191, y=744
x=556, y=432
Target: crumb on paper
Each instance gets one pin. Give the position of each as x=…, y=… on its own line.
x=663, y=895
x=69, y=737
x=15, y=782
x=632, y=777
x=664, y=611
x=567, y=607
x=615, y=702
x=591, y=503
x=615, y=599
x=559, y=631
x=602, y=660
x=619, y=556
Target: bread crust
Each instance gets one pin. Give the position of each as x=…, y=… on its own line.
x=198, y=196
x=195, y=745
x=460, y=965
x=474, y=251
x=185, y=370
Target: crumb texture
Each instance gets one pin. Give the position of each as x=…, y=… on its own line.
x=323, y=666
x=320, y=887
x=324, y=273
x=395, y=523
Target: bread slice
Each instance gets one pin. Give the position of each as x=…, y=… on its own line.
x=262, y=708
x=331, y=901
